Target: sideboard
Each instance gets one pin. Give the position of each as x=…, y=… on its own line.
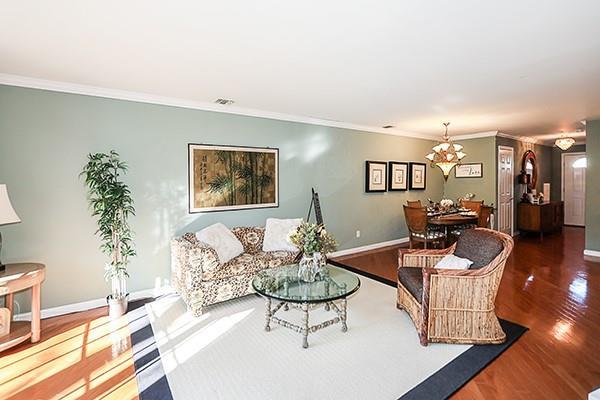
x=540, y=218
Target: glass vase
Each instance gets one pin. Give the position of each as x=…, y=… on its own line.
x=310, y=266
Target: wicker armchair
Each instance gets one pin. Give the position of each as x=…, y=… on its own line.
x=455, y=306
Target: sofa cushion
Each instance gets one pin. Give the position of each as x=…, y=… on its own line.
x=479, y=246
x=250, y=237
x=220, y=238
x=277, y=234
x=412, y=279
x=247, y=263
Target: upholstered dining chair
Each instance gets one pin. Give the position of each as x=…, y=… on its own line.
x=418, y=230
x=450, y=305
x=414, y=203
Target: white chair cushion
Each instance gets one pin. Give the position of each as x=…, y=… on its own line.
x=220, y=238
x=277, y=234
x=450, y=261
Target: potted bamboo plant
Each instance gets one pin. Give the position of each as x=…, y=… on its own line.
x=111, y=204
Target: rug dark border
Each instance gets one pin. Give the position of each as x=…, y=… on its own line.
x=153, y=384
x=149, y=372
x=454, y=375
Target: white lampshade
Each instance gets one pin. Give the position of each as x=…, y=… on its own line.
x=7, y=212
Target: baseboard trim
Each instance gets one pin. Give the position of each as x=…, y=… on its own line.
x=367, y=247
x=591, y=255
x=90, y=304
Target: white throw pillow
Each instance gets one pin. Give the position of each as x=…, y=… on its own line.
x=277, y=234
x=220, y=238
x=452, y=262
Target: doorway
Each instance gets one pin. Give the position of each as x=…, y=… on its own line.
x=573, y=187
x=506, y=189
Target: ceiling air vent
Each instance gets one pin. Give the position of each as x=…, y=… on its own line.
x=224, y=102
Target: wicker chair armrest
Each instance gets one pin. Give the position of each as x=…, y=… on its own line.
x=470, y=289
x=422, y=258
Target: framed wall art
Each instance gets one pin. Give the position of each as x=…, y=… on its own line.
x=398, y=176
x=225, y=178
x=376, y=176
x=469, y=170
x=417, y=176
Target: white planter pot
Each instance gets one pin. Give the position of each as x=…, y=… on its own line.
x=117, y=307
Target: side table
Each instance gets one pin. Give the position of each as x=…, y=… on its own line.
x=15, y=278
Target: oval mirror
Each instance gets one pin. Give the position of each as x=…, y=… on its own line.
x=529, y=166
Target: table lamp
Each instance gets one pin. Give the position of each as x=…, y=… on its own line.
x=7, y=216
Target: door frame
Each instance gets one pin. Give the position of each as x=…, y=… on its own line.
x=562, y=179
x=512, y=209
x=562, y=170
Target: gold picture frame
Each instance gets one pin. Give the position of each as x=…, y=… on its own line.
x=225, y=178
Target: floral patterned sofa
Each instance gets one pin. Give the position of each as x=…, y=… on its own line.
x=201, y=280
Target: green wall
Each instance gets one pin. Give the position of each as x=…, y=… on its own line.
x=478, y=151
x=592, y=188
x=556, y=187
x=44, y=139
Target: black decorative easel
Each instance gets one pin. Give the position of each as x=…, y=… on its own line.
x=314, y=202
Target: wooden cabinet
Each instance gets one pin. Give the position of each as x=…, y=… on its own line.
x=542, y=218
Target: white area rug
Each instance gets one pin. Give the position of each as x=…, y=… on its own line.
x=226, y=353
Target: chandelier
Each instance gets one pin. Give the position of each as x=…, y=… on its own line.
x=564, y=142
x=446, y=155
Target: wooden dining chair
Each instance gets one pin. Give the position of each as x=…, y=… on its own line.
x=416, y=221
x=414, y=203
x=473, y=205
x=485, y=215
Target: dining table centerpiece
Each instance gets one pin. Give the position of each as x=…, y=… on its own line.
x=446, y=205
x=315, y=243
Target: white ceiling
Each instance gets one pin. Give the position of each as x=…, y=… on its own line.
x=524, y=67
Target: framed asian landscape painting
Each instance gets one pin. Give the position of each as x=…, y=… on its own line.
x=223, y=178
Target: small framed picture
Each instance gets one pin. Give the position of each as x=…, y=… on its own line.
x=398, y=176
x=417, y=177
x=376, y=176
x=470, y=170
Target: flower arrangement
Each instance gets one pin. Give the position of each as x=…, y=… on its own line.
x=446, y=203
x=313, y=238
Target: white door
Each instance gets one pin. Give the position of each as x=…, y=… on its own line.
x=573, y=168
x=506, y=189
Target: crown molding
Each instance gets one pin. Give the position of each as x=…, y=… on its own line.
x=140, y=97
x=475, y=135
x=524, y=139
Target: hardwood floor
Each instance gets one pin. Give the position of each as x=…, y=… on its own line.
x=547, y=286
x=81, y=356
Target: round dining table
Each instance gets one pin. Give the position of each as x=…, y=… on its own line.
x=452, y=220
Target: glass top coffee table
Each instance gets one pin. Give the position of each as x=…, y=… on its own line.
x=283, y=285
